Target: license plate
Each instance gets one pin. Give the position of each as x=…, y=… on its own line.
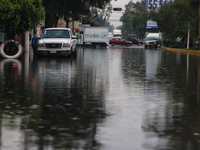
x=53, y=51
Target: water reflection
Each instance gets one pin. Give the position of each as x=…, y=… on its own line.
x=58, y=107
x=115, y=98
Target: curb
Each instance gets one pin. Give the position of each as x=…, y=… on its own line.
x=192, y=52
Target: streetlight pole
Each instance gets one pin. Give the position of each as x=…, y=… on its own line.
x=188, y=39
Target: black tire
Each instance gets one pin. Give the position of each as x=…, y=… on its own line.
x=11, y=49
x=127, y=44
x=139, y=44
x=145, y=46
x=113, y=44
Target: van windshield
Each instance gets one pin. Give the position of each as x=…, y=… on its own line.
x=150, y=38
x=55, y=34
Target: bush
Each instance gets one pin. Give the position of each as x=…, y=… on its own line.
x=177, y=45
x=167, y=43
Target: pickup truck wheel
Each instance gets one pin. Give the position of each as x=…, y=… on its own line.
x=113, y=44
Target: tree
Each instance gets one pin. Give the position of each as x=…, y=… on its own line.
x=69, y=9
x=18, y=16
x=165, y=16
x=173, y=19
x=102, y=15
x=138, y=22
x=134, y=22
x=125, y=19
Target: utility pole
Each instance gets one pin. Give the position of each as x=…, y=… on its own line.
x=27, y=41
x=188, y=39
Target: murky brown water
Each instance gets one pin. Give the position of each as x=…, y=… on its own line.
x=120, y=98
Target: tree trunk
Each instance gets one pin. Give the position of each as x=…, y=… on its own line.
x=56, y=20
x=67, y=22
x=49, y=22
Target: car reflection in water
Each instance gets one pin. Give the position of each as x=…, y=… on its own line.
x=66, y=118
x=53, y=110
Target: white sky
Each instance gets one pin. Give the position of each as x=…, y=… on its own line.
x=115, y=16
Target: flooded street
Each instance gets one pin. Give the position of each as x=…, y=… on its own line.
x=119, y=98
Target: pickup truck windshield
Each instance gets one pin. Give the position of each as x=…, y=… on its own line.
x=55, y=34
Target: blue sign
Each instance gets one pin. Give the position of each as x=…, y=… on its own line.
x=154, y=4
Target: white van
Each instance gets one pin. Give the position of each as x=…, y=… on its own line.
x=156, y=35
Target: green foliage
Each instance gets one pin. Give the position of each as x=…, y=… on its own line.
x=20, y=16
x=74, y=9
x=95, y=24
x=101, y=21
x=134, y=22
x=138, y=22
x=165, y=17
x=173, y=19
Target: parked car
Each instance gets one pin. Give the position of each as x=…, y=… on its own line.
x=133, y=40
x=150, y=42
x=57, y=41
x=119, y=41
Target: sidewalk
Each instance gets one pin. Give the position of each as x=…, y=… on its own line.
x=191, y=52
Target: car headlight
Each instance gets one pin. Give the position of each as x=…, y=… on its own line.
x=40, y=44
x=66, y=45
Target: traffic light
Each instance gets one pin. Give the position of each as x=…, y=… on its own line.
x=117, y=9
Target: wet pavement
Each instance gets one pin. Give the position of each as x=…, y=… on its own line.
x=119, y=98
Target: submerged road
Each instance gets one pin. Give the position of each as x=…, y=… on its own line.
x=119, y=98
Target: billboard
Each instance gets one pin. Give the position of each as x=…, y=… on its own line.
x=154, y=4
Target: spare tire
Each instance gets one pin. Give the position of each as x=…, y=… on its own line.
x=11, y=49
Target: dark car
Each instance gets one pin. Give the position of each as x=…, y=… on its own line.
x=119, y=41
x=133, y=40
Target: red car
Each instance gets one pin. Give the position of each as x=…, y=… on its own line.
x=119, y=41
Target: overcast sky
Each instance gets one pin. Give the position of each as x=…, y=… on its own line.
x=115, y=16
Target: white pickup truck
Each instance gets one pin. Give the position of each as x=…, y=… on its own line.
x=57, y=41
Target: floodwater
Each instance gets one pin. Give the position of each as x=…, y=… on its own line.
x=119, y=98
